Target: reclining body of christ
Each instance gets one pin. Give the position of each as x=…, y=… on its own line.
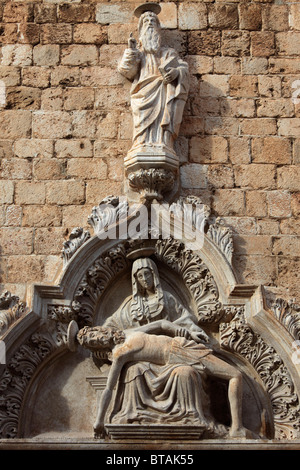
x=161, y=342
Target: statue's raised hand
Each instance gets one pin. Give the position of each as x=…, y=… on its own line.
x=199, y=336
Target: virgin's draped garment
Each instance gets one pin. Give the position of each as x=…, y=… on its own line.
x=172, y=393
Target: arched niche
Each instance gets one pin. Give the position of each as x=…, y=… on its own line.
x=51, y=332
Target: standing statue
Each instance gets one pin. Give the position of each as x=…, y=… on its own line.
x=160, y=85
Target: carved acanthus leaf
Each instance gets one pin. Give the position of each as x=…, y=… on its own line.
x=20, y=369
x=11, y=309
x=109, y=211
x=222, y=238
x=152, y=183
x=192, y=211
x=61, y=313
x=238, y=337
x=195, y=275
x=287, y=312
x=95, y=281
x=77, y=238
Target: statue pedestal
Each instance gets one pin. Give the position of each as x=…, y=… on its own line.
x=153, y=431
x=151, y=156
x=151, y=170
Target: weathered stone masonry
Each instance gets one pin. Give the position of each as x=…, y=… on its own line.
x=66, y=122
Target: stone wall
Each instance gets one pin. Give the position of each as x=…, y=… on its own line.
x=66, y=126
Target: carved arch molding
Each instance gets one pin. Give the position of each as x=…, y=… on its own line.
x=235, y=334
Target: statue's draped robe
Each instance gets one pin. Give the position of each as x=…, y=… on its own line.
x=156, y=107
x=173, y=393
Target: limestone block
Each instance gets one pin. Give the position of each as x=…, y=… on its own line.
x=204, y=43
x=275, y=107
x=229, y=202
x=250, y=16
x=76, y=13
x=73, y=148
x=269, y=86
x=46, y=55
x=294, y=16
x=239, y=150
x=64, y=75
x=15, y=124
x=78, y=54
x=13, y=215
x=44, y=13
x=208, y=148
x=107, y=13
x=288, y=43
x=29, y=148
x=56, y=33
x=279, y=204
x=100, y=76
x=23, y=97
x=48, y=169
x=193, y=175
x=16, y=168
x=168, y=15
x=276, y=17
x=25, y=268
x=30, y=192
x=262, y=43
x=288, y=177
x=89, y=34
x=258, y=126
x=271, y=149
x=256, y=176
x=10, y=75
x=52, y=124
x=16, y=241
x=192, y=16
x=226, y=65
x=42, y=216
x=36, y=76
x=235, y=43
x=223, y=16
x=62, y=192
x=243, y=86
x=87, y=168
x=6, y=192
x=28, y=33
x=78, y=98
x=289, y=127
x=16, y=54
x=48, y=241
x=254, y=65
x=15, y=12
x=96, y=190
x=256, y=205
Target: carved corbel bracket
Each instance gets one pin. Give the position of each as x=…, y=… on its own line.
x=151, y=183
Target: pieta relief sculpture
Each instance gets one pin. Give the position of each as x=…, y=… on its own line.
x=160, y=358
x=155, y=335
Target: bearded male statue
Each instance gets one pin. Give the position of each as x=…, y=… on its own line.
x=160, y=86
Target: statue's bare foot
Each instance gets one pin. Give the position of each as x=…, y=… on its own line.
x=99, y=431
x=241, y=433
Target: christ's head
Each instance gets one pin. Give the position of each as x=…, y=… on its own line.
x=98, y=338
x=149, y=30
